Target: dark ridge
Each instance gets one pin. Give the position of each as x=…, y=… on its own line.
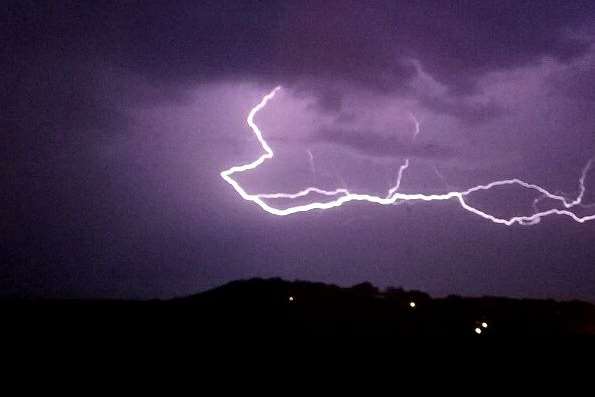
x=275, y=306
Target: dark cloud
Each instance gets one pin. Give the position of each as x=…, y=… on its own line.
x=577, y=82
x=464, y=39
x=471, y=113
x=115, y=128
x=368, y=44
x=312, y=46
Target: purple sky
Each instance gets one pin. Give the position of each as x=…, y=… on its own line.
x=117, y=118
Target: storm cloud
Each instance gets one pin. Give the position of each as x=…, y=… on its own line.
x=117, y=117
x=375, y=145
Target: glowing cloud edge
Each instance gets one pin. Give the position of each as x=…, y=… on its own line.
x=394, y=196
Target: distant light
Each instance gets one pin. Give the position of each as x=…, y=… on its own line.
x=291, y=298
x=484, y=325
x=478, y=331
x=412, y=304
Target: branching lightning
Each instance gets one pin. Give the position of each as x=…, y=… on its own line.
x=343, y=195
x=311, y=162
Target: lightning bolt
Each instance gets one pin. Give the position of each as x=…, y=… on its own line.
x=405, y=165
x=443, y=179
x=417, y=125
x=311, y=161
x=343, y=195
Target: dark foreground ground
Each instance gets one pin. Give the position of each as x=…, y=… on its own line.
x=280, y=307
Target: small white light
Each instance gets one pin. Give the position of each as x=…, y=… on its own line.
x=412, y=304
x=484, y=325
x=478, y=331
x=291, y=299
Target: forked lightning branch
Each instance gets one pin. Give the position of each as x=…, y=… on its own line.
x=338, y=197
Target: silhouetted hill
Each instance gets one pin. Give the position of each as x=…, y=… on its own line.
x=275, y=306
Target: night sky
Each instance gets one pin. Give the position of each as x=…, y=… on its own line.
x=117, y=118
